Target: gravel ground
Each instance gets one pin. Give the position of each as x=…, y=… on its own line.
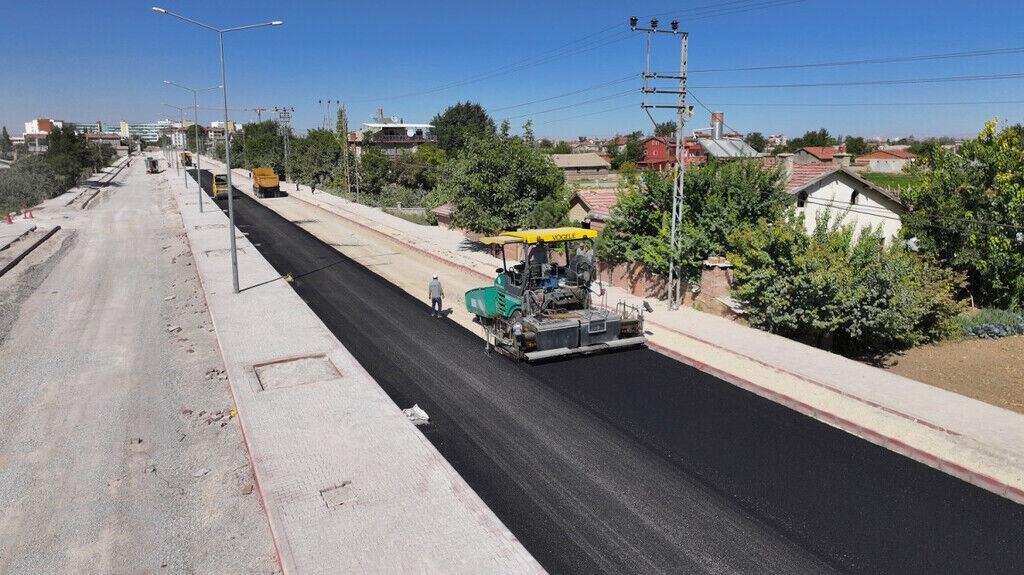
x=990, y=370
x=118, y=451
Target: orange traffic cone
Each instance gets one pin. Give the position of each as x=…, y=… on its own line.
x=9, y=219
x=30, y=215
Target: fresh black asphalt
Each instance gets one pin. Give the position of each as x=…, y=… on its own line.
x=633, y=462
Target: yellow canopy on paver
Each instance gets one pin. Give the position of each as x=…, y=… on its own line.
x=533, y=236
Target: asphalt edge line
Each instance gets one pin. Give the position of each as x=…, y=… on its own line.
x=895, y=445
x=10, y=265
x=274, y=535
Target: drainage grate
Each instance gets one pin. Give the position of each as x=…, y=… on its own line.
x=293, y=372
x=338, y=495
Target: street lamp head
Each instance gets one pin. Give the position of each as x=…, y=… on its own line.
x=632, y=21
x=675, y=24
x=276, y=23
x=160, y=10
x=167, y=81
x=654, y=23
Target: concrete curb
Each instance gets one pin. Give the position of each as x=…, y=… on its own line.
x=310, y=438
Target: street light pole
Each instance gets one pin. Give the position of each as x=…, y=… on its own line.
x=195, y=110
x=181, y=112
x=227, y=134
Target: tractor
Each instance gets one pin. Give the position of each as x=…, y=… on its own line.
x=539, y=309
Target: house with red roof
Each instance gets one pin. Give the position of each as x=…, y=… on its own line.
x=887, y=161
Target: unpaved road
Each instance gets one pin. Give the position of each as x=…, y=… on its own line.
x=107, y=413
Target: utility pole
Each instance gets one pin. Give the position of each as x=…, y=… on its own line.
x=327, y=115
x=285, y=116
x=682, y=110
x=342, y=127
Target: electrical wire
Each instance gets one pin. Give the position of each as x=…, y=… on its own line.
x=978, y=78
x=868, y=61
x=557, y=96
x=584, y=103
x=585, y=115
x=870, y=104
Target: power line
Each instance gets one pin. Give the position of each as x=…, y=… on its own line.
x=605, y=111
x=584, y=103
x=864, y=104
x=557, y=96
x=984, y=77
x=588, y=43
x=867, y=61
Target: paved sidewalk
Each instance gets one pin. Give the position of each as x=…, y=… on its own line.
x=975, y=441
x=10, y=233
x=348, y=483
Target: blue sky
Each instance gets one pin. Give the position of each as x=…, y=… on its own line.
x=83, y=61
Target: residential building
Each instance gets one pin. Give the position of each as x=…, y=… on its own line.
x=42, y=126
x=178, y=137
x=86, y=127
x=887, y=161
x=586, y=145
x=220, y=124
x=215, y=134
x=592, y=208
x=114, y=140
x=615, y=145
x=577, y=166
x=835, y=189
x=36, y=142
x=394, y=136
x=775, y=142
x=660, y=153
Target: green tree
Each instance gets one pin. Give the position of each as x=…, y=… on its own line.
x=6, y=146
x=315, y=157
x=756, y=140
x=419, y=170
x=719, y=197
x=496, y=183
x=820, y=138
x=374, y=169
x=562, y=148
x=460, y=123
x=29, y=181
x=528, y=138
x=341, y=127
x=545, y=144
x=841, y=290
x=68, y=154
x=190, y=138
x=505, y=127
x=261, y=146
x=665, y=129
x=550, y=212
x=632, y=151
x=982, y=182
x=856, y=146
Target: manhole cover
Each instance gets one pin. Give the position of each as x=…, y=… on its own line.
x=293, y=372
x=338, y=495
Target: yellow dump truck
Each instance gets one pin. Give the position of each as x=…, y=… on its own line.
x=265, y=182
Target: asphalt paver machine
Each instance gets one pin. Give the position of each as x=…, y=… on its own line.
x=538, y=308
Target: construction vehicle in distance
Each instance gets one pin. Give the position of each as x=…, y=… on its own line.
x=265, y=182
x=186, y=159
x=151, y=166
x=538, y=309
x=220, y=187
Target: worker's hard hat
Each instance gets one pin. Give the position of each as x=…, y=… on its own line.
x=435, y=276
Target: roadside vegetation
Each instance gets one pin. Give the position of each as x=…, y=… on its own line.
x=852, y=293
x=37, y=177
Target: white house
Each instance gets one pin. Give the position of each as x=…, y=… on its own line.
x=888, y=161
x=836, y=189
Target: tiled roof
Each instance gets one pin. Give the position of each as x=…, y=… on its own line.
x=804, y=173
x=442, y=210
x=889, y=155
x=599, y=201
x=821, y=152
x=587, y=160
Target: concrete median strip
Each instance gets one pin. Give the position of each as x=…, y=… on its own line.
x=348, y=483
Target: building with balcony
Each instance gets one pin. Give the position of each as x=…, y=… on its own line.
x=393, y=136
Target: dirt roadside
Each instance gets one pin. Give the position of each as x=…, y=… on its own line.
x=118, y=450
x=989, y=370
